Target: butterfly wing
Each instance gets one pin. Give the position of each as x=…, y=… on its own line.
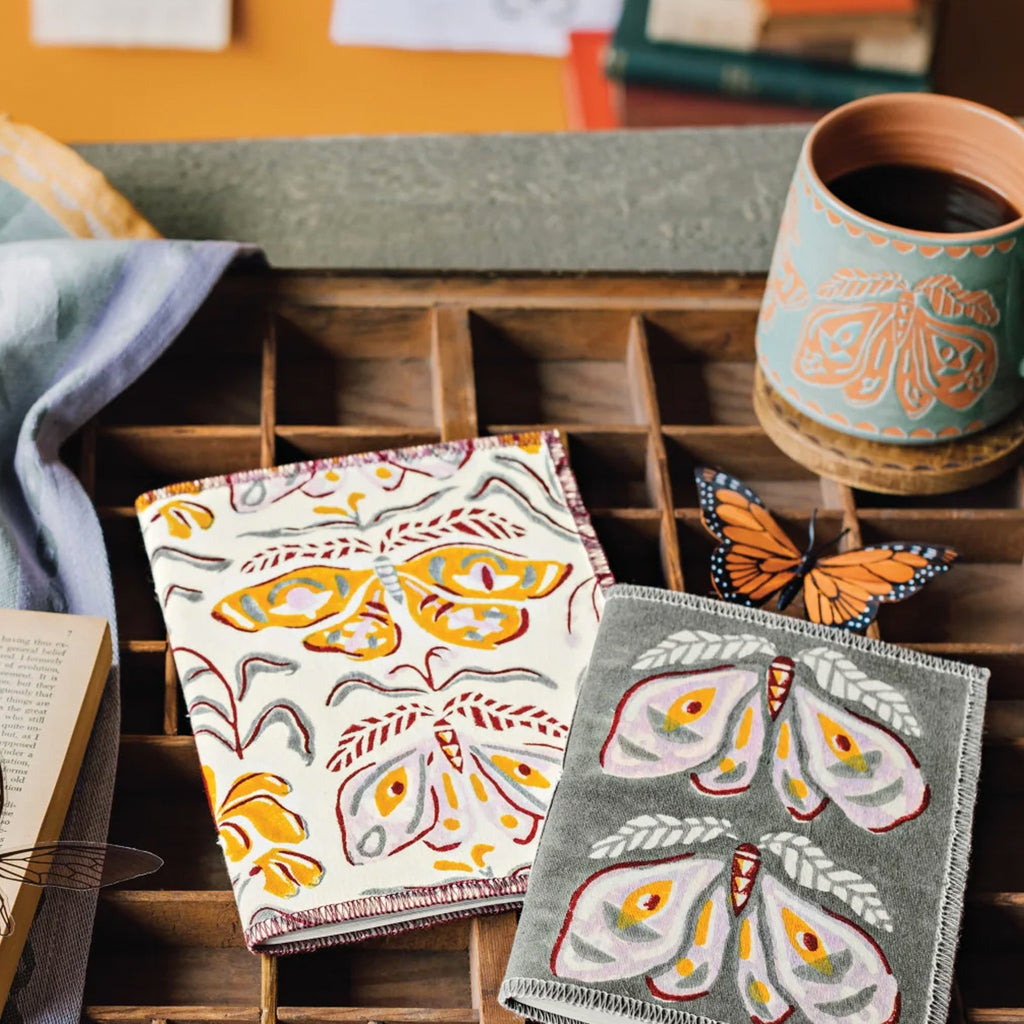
x=471, y=596
x=845, y=590
x=69, y=864
x=797, y=792
x=251, y=495
x=734, y=771
x=368, y=632
x=695, y=969
x=755, y=558
x=868, y=771
x=526, y=776
x=630, y=919
x=303, y=597
x=761, y=996
x=385, y=807
x=829, y=967
x=675, y=721
x=950, y=363
x=850, y=347
x=499, y=793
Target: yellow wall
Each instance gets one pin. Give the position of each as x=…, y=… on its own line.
x=280, y=76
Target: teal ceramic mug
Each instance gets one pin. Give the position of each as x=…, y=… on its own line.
x=902, y=334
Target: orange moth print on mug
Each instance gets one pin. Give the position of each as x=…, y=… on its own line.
x=894, y=307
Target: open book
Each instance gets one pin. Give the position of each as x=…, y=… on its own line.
x=52, y=672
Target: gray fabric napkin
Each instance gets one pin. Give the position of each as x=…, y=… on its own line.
x=757, y=818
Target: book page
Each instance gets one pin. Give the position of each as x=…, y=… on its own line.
x=30, y=667
x=52, y=671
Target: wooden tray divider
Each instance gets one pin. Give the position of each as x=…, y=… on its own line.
x=268, y=454
x=268, y=393
x=644, y=377
x=170, y=692
x=451, y=345
x=645, y=402
x=171, y=1014
x=268, y=989
x=490, y=943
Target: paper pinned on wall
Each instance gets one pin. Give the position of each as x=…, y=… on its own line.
x=174, y=24
x=539, y=27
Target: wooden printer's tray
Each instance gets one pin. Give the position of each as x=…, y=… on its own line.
x=645, y=377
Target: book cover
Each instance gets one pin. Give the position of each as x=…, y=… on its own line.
x=380, y=655
x=632, y=57
x=759, y=818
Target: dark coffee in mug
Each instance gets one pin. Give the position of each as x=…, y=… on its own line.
x=923, y=198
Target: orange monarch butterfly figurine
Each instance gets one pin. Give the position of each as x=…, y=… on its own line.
x=69, y=864
x=755, y=560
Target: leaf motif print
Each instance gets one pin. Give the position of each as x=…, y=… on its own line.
x=220, y=715
x=363, y=737
x=948, y=299
x=689, y=646
x=657, y=832
x=286, y=872
x=490, y=713
x=809, y=865
x=838, y=676
x=480, y=523
x=336, y=548
x=252, y=804
x=849, y=283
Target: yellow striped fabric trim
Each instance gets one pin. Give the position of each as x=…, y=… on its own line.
x=71, y=191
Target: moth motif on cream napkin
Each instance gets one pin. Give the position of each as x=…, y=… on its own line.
x=758, y=818
x=380, y=656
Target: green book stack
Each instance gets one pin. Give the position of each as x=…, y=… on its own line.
x=633, y=58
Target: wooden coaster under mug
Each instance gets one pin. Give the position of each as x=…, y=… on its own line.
x=889, y=468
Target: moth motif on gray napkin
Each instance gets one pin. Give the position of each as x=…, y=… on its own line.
x=777, y=822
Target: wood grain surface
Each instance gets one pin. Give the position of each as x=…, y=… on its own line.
x=645, y=377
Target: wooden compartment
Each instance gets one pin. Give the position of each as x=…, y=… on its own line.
x=747, y=453
x=613, y=468
x=361, y=367
x=217, y=362
x=552, y=367
x=646, y=378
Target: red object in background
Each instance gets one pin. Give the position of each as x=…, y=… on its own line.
x=644, y=106
x=588, y=92
x=594, y=102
